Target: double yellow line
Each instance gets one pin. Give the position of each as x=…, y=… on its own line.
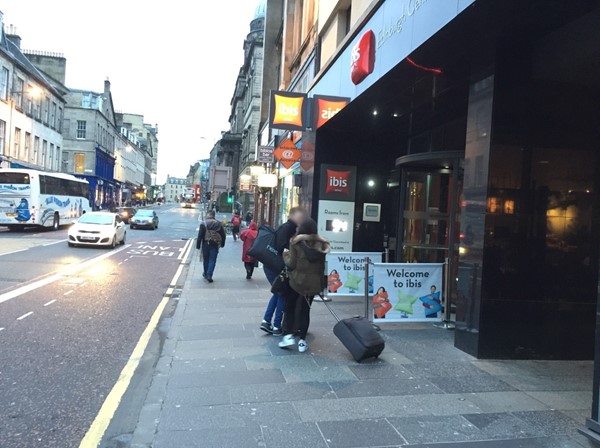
x=94, y=435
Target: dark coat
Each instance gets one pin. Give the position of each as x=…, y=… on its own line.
x=283, y=234
x=306, y=263
x=210, y=224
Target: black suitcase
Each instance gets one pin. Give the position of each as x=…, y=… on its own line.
x=359, y=336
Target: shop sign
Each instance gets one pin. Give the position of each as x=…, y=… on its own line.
x=327, y=107
x=338, y=182
x=288, y=110
x=287, y=153
x=336, y=223
x=307, y=162
x=265, y=154
x=346, y=272
x=362, y=57
x=407, y=292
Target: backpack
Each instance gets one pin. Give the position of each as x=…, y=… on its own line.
x=212, y=237
x=236, y=220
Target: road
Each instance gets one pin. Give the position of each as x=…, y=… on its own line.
x=69, y=320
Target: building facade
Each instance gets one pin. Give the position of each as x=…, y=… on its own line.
x=31, y=110
x=146, y=138
x=174, y=188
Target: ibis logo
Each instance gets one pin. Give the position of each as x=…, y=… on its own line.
x=338, y=182
x=362, y=58
x=288, y=110
x=327, y=107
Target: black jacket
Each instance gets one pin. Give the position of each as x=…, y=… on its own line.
x=210, y=224
x=284, y=234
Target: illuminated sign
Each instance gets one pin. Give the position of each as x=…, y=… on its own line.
x=327, y=107
x=288, y=110
x=362, y=58
x=338, y=182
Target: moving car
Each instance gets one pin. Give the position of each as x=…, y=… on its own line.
x=98, y=229
x=126, y=213
x=144, y=218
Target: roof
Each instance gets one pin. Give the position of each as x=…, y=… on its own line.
x=14, y=52
x=261, y=10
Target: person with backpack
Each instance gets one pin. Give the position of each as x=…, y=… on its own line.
x=211, y=237
x=248, y=236
x=305, y=261
x=236, y=222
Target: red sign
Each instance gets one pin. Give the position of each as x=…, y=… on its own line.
x=308, y=155
x=327, y=107
x=362, y=58
x=338, y=182
x=287, y=153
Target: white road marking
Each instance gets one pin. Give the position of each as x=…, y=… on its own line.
x=25, y=315
x=83, y=284
x=2, y=329
x=54, y=278
x=183, y=251
x=13, y=252
x=50, y=303
x=159, y=241
x=69, y=292
x=53, y=243
x=120, y=263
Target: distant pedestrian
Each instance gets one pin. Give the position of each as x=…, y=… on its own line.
x=236, y=222
x=248, y=236
x=211, y=237
x=305, y=261
x=274, y=313
x=249, y=217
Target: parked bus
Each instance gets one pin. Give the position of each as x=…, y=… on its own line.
x=37, y=198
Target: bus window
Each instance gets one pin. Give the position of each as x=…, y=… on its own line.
x=14, y=178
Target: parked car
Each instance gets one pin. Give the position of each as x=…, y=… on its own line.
x=126, y=213
x=98, y=229
x=144, y=218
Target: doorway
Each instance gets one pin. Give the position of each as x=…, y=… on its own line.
x=429, y=215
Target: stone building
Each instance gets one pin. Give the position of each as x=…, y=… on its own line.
x=174, y=188
x=31, y=110
x=147, y=139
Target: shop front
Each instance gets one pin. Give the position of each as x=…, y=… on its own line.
x=473, y=125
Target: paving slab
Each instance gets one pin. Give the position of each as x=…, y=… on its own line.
x=360, y=433
x=293, y=435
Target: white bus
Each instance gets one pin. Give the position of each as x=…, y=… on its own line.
x=37, y=198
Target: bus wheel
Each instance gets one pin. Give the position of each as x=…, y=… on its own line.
x=16, y=228
x=56, y=223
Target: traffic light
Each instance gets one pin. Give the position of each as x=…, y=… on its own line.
x=229, y=199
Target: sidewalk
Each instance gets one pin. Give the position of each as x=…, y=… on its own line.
x=223, y=383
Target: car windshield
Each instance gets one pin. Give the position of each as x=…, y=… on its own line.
x=144, y=213
x=91, y=218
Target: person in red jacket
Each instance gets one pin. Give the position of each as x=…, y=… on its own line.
x=248, y=236
x=236, y=222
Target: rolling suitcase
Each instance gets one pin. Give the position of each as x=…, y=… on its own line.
x=358, y=336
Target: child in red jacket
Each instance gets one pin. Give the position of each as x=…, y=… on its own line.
x=248, y=236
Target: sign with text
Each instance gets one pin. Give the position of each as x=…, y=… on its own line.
x=407, y=292
x=336, y=223
x=265, y=154
x=287, y=153
x=338, y=182
x=288, y=110
x=326, y=107
x=346, y=272
x=362, y=58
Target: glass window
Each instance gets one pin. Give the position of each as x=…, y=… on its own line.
x=17, y=143
x=60, y=119
x=51, y=156
x=44, y=152
x=57, y=159
x=2, y=135
x=53, y=115
x=14, y=178
x=27, y=146
x=81, y=129
x=79, y=162
x=18, y=85
x=4, y=83
x=46, y=110
x=29, y=101
x=36, y=150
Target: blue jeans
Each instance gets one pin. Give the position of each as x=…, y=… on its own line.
x=276, y=302
x=209, y=258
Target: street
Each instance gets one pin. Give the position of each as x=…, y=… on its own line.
x=69, y=320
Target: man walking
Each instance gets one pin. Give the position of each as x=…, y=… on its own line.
x=211, y=237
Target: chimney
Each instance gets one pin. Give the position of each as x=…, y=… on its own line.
x=13, y=36
x=107, y=86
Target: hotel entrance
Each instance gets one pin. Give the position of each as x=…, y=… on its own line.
x=429, y=213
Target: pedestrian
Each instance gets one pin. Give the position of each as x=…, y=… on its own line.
x=248, y=236
x=249, y=217
x=273, y=317
x=305, y=261
x=236, y=222
x=211, y=237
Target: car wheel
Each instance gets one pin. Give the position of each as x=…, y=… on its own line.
x=153, y=227
x=131, y=226
x=124, y=238
x=71, y=244
x=56, y=223
x=113, y=244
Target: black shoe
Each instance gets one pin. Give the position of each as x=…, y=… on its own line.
x=248, y=277
x=266, y=327
x=204, y=274
x=210, y=280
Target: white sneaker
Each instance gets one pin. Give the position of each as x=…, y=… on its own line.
x=287, y=341
x=302, y=345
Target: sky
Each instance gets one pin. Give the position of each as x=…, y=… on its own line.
x=174, y=61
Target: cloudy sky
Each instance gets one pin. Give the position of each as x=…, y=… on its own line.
x=173, y=62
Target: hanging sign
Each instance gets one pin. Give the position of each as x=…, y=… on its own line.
x=287, y=153
x=407, y=292
x=265, y=154
x=288, y=110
